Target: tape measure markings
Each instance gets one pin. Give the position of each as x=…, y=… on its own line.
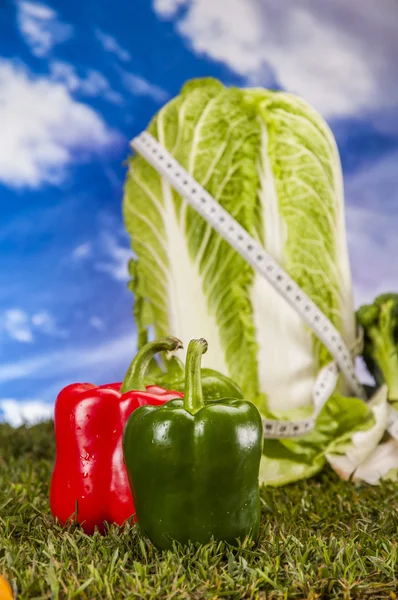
x=220, y=219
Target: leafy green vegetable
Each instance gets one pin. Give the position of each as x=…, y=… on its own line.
x=372, y=456
x=363, y=457
x=287, y=460
x=271, y=161
x=380, y=324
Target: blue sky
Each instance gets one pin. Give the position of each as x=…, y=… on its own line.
x=79, y=80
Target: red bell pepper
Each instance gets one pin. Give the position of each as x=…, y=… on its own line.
x=89, y=483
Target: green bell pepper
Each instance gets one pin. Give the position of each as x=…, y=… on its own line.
x=193, y=467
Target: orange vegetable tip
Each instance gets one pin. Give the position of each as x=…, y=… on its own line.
x=5, y=589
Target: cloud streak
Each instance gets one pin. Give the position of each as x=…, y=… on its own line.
x=117, y=257
x=110, y=44
x=71, y=361
x=40, y=27
x=17, y=324
x=97, y=323
x=82, y=251
x=22, y=327
x=138, y=86
x=93, y=84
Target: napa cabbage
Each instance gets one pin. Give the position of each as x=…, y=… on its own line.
x=270, y=160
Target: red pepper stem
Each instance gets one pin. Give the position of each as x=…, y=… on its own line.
x=134, y=379
x=193, y=395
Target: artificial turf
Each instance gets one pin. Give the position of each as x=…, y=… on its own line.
x=321, y=538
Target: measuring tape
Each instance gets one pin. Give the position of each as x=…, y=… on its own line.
x=254, y=254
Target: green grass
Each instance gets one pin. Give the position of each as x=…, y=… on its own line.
x=321, y=538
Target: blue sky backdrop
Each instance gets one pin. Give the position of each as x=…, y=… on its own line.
x=79, y=79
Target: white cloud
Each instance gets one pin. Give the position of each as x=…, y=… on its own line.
x=17, y=324
x=167, y=8
x=111, y=246
x=139, y=86
x=41, y=28
x=94, y=84
x=338, y=56
x=27, y=412
x=372, y=222
x=97, y=323
x=82, y=251
x=74, y=362
x=25, y=368
x=44, y=130
x=374, y=268
x=117, y=257
x=110, y=44
x=45, y=323
x=21, y=327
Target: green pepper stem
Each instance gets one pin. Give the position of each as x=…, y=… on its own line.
x=174, y=368
x=134, y=379
x=193, y=395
